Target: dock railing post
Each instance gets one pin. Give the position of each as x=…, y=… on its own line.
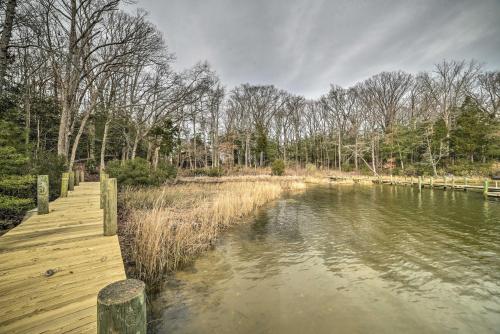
x=485, y=189
x=121, y=308
x=71, y=181
x=42, y=192
x=82, y=175
x=431, y=182
x=64, y=184
x=110, y=208
x=420, y=183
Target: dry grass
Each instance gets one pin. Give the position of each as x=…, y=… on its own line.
x=167, y=226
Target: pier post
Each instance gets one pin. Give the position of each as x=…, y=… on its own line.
x=71, y=181
x=453, y=183
x=64, y=185
x=392, y=179
x=445, y=183
x=485, y=189
x=77, y=177
x=82, y=175
x=121, y=308
x=42, y=188
x=420, y=183
x=110, y=208
x=465, y=181
x=431, y=182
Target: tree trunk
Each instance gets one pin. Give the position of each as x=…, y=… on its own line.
x=77, y=138
x=156, y=155
x=10, y=13
x=356, y=153
x=340, y=152
x=103, y=145
x=136, y=143
x=373, y=156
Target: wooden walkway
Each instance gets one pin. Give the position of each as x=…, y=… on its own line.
x=52, y=267
x=492, y=191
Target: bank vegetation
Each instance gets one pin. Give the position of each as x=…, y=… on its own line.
x=165, y=227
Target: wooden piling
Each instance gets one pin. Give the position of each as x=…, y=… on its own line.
x=452, y=183
x=121, y=308
x=77, y=177
x=419, y=183
x=64, y=185
x=82, y=175
x=431, y=182
x=445, y=183
x=392, y=179
x=71, y=181
x=485, y=188
x=43, y=194
x=110, y=208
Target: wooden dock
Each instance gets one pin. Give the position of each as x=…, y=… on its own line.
x=493, y=189
x=52, y=267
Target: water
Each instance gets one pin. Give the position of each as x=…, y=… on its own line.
x=346, y=259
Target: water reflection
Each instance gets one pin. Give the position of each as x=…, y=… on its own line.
x=347, y=259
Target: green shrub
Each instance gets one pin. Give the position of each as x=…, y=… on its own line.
x=49, y=163
x=211, y=172
x=138, y=172
x=23, y=186
x=311, y=168
x=12, y=162
x=163, y=173
x=278, y=167
x=466, y=168
x=91, y=165
x=13, y=207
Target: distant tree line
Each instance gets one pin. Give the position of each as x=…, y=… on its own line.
x=87, y=82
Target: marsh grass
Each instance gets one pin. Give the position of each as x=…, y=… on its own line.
x=168, y=226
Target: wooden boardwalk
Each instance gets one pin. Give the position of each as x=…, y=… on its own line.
x=52, y=267
x=492, y=191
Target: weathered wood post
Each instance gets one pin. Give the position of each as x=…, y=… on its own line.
x=419, y=183
x=77, y=177
x=110, y=208
x=465, y=181
x=42, y=188
x=82, y=175
x=71, y=182
x=392, y=179
x=445, y=183
x=485, y=189
x=64, y=185
x=121, y=308
x=431, y=182
x=453, y=183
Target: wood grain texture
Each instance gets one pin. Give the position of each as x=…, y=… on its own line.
x=53, y=266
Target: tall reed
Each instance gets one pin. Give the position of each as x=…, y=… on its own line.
x=167, y=226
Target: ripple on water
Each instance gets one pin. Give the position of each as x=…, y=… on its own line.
x=347, y=259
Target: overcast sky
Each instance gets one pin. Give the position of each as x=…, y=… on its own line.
x=304, y=45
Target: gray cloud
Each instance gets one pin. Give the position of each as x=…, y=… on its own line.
x=304, y=45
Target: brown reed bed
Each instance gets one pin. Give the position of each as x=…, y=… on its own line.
x=165, y=227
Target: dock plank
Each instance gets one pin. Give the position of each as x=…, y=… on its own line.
x=69, y=243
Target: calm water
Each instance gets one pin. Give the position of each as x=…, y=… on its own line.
x=347, y=259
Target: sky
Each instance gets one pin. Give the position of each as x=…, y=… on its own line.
x=303, y=46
